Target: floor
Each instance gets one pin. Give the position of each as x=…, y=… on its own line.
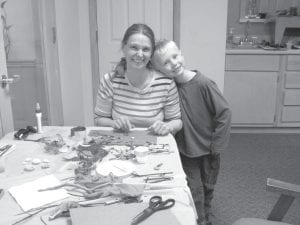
x=249, y=160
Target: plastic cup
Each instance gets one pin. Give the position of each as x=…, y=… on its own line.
x=141, y=153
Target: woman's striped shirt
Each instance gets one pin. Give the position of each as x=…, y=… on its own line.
x=116, y=97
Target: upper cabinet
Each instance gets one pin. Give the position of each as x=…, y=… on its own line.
x=253, y=10
x=258, y=10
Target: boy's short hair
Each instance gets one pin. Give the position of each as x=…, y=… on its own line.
x=160, y=48
x=161, y=44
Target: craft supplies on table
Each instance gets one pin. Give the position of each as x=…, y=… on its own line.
x=163, y=154
x=5, y=149
x=38, y=115
x=155, y=204
x=141, y=153
x=119, y=214
x=28, y=196
x=1, y=193
x=118, y=168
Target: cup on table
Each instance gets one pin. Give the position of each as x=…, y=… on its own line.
x=141, y=154
x=78, y=134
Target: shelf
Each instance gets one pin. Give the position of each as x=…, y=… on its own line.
x=245, y=20
x=283, y=22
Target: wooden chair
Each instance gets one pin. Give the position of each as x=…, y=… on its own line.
x=288, y=193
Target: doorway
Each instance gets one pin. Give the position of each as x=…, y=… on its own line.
x=25, y=58
x=112, y=19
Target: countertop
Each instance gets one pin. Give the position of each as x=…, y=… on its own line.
x=258, y=51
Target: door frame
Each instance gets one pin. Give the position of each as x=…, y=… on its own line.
x=94, y=46
x=47, y=23
x=6, y=116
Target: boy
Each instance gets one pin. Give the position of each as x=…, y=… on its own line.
x=206, y=121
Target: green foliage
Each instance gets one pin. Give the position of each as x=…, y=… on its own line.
x=6, y=28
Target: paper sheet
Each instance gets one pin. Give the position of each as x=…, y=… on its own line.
x=28, y=196
x=116, y=167
x=119, y=214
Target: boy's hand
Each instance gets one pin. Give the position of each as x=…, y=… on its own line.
x=123, y=123
x=160, y=128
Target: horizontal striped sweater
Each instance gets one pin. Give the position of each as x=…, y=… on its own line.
x=116, y=97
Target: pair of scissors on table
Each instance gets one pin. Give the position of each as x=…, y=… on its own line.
x=155, y=204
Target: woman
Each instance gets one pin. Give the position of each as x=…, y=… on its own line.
x=139, y=96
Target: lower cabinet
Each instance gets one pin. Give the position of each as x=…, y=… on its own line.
x=252, y=97
x=263, y=90
x=290, y=110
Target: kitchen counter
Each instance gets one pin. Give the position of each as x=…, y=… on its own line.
x=258, y=51
x=263, y=87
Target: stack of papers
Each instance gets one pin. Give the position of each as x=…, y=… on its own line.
x=28, y=196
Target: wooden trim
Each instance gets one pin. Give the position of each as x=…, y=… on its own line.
x=280, y=89
x=1, y=132
x=252, y=63
x=51, y=62
x=22, y=63
x=6, y=116
x=94, y=47
x=176, y=21
x=288, y=193
x=265, y=130
x=281, y=207
x=283, y=187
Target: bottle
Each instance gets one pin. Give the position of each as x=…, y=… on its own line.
x=38, y=115
x=230, y=36
x=251, y=9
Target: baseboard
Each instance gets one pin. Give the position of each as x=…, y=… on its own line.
x=258, y=130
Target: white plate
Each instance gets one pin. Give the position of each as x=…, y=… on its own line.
x=118, y=168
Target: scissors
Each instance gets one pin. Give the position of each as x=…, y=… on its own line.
x=155, y=204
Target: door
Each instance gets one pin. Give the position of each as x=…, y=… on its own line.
x=6, y=118
x=115, y=16
x=26, y=58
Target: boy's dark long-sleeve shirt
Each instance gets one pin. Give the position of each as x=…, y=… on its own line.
x=206, y=117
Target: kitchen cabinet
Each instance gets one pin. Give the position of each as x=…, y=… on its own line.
x=290, y=110
x=263, y=88
x=250, y=9
x=251, y=88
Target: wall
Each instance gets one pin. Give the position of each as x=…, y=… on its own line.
x=263, y=31
x=74, y=61
x=203, y=46
x=22, y=31
x=207, y=52
x=202, y=36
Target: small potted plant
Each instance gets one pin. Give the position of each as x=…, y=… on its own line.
x=5, y=29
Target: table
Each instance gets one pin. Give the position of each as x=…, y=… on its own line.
x=15, y=175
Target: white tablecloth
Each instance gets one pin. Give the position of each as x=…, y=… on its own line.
x=15, y=175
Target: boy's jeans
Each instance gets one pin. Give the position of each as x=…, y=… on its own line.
x=202, y=173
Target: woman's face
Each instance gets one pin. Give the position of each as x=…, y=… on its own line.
x=137, y=51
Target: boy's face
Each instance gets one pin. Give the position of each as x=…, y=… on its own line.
x=169, y=60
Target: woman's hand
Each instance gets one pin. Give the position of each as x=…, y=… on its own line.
x=123, y=123
x=160, y=128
